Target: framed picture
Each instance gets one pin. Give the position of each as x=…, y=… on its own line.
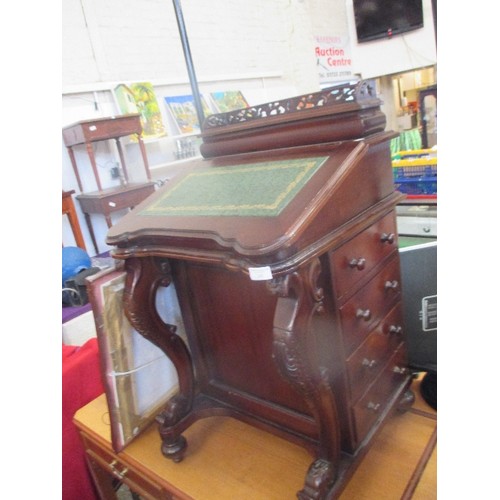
x=184, y=113
x=138, y=377
x=228, y=100
x=140, y=98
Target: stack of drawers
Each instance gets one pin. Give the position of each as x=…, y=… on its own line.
x=367, y=287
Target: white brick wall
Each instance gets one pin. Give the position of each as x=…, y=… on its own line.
x=263, y=47
x=132, y=40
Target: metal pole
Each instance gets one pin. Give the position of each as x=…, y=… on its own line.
x=189, y=62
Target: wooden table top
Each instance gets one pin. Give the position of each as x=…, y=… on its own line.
x=229, y=459
x=221, y=459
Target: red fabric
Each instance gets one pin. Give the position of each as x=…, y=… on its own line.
x=81, y=383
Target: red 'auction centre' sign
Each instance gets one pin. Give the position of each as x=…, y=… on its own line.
x=333, y=58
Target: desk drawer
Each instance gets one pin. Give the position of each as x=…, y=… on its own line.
x=118, y=127
x=121, y=471
x=99, y=130
x=369, y=408
x=106, y=202
x=355, y=259
x=370, y=358
x=369, y=305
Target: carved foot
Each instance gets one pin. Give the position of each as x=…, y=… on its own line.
x=174, y=411
x=173, y=443
x=174, y=449
x=406, y=401
x=320, y=477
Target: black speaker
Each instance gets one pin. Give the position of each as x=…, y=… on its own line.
x=75, y=290
x=419, y=289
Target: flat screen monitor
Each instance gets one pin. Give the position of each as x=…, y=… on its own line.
x=376, y=19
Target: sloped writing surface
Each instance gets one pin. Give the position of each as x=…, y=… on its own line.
x=253, y=189
x=322, y=167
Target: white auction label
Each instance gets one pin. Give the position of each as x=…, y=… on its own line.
x=260, y=273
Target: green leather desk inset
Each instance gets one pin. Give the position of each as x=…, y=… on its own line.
x=258, y=189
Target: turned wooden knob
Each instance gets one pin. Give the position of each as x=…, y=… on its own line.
x=400, y=369
x=387, y=238
x=391, y=285
x=369, y=363
x=359, y=264
x=373, y=406
x=395, y=329
x=365, y=314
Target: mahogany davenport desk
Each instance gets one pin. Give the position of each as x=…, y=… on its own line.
x=286, y=267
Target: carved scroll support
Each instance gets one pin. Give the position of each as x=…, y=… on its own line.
x=295, y=352
x=144, y=276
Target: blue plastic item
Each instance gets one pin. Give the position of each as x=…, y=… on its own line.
x=74, y=260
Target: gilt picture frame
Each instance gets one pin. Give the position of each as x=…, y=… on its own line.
x=137, y=376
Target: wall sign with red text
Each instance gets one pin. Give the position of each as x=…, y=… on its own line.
x=333, y=58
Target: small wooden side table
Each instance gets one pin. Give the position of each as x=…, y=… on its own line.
x=87, y=132
x=226, y=458
x=105, y=201
x=110, y=200
x=68, y=208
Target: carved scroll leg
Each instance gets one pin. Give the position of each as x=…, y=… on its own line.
x=295, y=353
x=173, y=443
x=144, y=276
x=319, y=479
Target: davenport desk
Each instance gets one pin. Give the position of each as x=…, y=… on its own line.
x=282, y=247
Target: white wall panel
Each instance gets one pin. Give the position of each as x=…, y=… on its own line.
x=264, y=48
